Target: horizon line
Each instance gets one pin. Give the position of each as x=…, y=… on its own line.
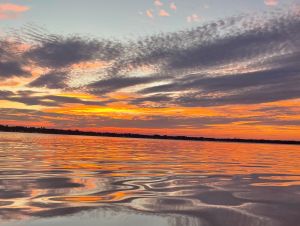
x=76, y=132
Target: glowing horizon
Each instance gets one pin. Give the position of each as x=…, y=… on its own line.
x=193, y=72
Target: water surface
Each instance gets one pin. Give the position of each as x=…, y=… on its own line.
x=77, y=180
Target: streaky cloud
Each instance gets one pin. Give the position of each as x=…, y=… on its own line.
x=246, y=59
x=51, y=80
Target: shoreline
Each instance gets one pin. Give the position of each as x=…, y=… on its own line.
x=22, y=129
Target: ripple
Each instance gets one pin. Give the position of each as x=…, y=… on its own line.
x=220, y=198
x=187, y=183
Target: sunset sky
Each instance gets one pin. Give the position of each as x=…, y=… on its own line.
x=217, y=68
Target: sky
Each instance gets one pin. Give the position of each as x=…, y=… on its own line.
x=200, y=68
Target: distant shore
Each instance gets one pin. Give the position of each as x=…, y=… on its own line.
x=42, y=130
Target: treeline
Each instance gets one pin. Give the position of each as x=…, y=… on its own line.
x=23, y=129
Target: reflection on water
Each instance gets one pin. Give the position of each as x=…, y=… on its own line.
x=74, y=180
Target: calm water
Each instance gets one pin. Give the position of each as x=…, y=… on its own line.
x=75, y=180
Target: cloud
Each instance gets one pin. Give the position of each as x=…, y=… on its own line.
x=60, y=52
x=173, y=6
x=51, y=80
x=169, y=80
x=192, y=18
x=163, y=13
x=149, y=13
x=158, y=3
x=116, y=83
x=11, y=63
x=65, y=120
x=32, y=98
x=11, y=68
x=268, y=53
x=11, y=11
x=271, y=2
x=237, y=60
x=155, y=122
x=4, y=94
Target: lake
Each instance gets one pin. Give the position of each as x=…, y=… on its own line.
x=79, y=180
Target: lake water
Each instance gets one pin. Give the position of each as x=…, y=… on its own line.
x=58, y=180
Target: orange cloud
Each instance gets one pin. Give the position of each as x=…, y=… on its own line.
x=11, y=11
x=249, y=122
x=271, y=2
x=10, y=83
x=163, y=13
x=149, y=13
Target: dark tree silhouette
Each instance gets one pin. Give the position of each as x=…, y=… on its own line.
x=23, y=129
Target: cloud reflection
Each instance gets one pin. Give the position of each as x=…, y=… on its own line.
x=204, y=185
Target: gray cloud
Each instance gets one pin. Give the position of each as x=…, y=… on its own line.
x=115, y=83
x=31, y=98
x=269, y=48
x=246, y=88
x=51, y=80
x=4, y=94
x=11, y=64
x=11, y=69
x=60, y=52
x=197, y=65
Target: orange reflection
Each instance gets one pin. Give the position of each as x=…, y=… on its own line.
x=49, y=171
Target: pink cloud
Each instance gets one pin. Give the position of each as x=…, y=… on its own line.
x=10, y=11
x=158, y=3
x=271, y=2
x=173, y=6
x=163, y=13
x=192, y=18
x=149, y=13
